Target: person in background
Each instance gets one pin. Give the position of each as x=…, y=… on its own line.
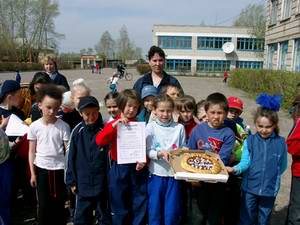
x=201, y=114
x=186, y=107
x=110, y=101
x=39, y=81
x=264, y=159
x=149, y=92
x=50, y=67
x=114, y=82
x=18, y=76
x=157, y=76
x=293, y=143
x=48, y=138
x=172, y=90
x=225, y=76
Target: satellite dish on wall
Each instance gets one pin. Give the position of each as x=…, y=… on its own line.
x=228, y=47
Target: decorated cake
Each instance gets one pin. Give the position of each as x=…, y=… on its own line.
x=200, y=163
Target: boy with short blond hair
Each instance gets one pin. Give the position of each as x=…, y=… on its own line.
x=213, y=136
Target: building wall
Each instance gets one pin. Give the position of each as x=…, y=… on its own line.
x=286, y=28
x=195, y=54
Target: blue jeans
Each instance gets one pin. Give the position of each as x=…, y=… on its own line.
x=255, y=209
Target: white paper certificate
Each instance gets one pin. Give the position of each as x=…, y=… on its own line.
x=16, y=127
x=131, y=143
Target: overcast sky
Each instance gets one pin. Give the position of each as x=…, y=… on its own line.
x=83, y=21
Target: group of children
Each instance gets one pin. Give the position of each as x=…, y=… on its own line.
x=83, y=159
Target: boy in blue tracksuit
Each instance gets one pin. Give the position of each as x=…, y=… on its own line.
x=86, y=165
x=214, y=136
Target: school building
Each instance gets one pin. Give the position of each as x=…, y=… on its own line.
x=283, y=35
x=201, y=50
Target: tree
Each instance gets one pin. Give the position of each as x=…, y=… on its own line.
x=106, y=46
x=253, y=16
x=28, y=27
x=126, y=48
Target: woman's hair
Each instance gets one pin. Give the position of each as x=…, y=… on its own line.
x=186, y=103
x=165, y=88
x=39, y=78
x=111, y=95
x=153, y=50
x=270, y=115
x=163, y=98
x=80, y=84
x=125, y=96
x=49, y=58
x=51, y=90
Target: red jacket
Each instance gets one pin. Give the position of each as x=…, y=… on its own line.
x=293, y=142
x=188, y=126
x=109, y=136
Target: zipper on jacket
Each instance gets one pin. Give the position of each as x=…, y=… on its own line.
x=263, y=168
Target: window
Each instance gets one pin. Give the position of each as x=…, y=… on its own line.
x=212, y=42
x=250, y=44
x=283, y=55
x=273, y=17
x=272, y=49
x=286, y=9
x=213, y=65
x=178, y=65
x=297, y=55
x=249, y=64
x=175, y=42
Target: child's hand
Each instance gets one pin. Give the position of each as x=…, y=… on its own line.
x=122, y=120
x=139, y=165
x=165, y=155
x=74, y=189
x=4, y=122
x=230, y=169
x=33, y=181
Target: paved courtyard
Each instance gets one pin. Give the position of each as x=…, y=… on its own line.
x=197, y=87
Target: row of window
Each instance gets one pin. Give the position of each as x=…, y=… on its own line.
x=286, y=9
x=281, y=62
x=209, y=65
x=209, y=43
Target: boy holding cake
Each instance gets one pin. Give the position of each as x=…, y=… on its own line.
x=213, y=136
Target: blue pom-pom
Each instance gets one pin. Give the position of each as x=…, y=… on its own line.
x=269, y=102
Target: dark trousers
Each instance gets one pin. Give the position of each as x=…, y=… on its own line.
x=231, y=212
x=255, y=209
x=128, y=194
x=85, y=207
x=51, y=197
x=6, y=178
x=164, y=200
x=293, y=217
x=210, y=199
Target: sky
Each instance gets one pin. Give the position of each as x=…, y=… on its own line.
x=83, y=21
